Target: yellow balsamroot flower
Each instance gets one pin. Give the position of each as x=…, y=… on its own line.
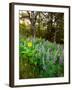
x=29, y=44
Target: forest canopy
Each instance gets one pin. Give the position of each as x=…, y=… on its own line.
x=48, y=25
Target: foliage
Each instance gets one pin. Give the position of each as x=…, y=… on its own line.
x=24, y=30
x=48, y=25
x=39, y=58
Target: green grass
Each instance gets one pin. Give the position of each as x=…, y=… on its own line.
x=39, y=58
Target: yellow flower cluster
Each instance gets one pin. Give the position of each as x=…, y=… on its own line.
x=29, y=44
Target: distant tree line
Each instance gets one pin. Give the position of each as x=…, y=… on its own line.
x=48, y=25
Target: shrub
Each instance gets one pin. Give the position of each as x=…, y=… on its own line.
x=40, y=58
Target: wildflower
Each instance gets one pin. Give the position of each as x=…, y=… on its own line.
x=50, y=50
x=29, y=44
x=61, y=60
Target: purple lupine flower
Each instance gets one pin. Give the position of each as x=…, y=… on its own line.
x=60, y=60
x=54, y=61
x=50, y=50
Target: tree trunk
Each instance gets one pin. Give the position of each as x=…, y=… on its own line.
x=33, y=24
x=39, y=25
